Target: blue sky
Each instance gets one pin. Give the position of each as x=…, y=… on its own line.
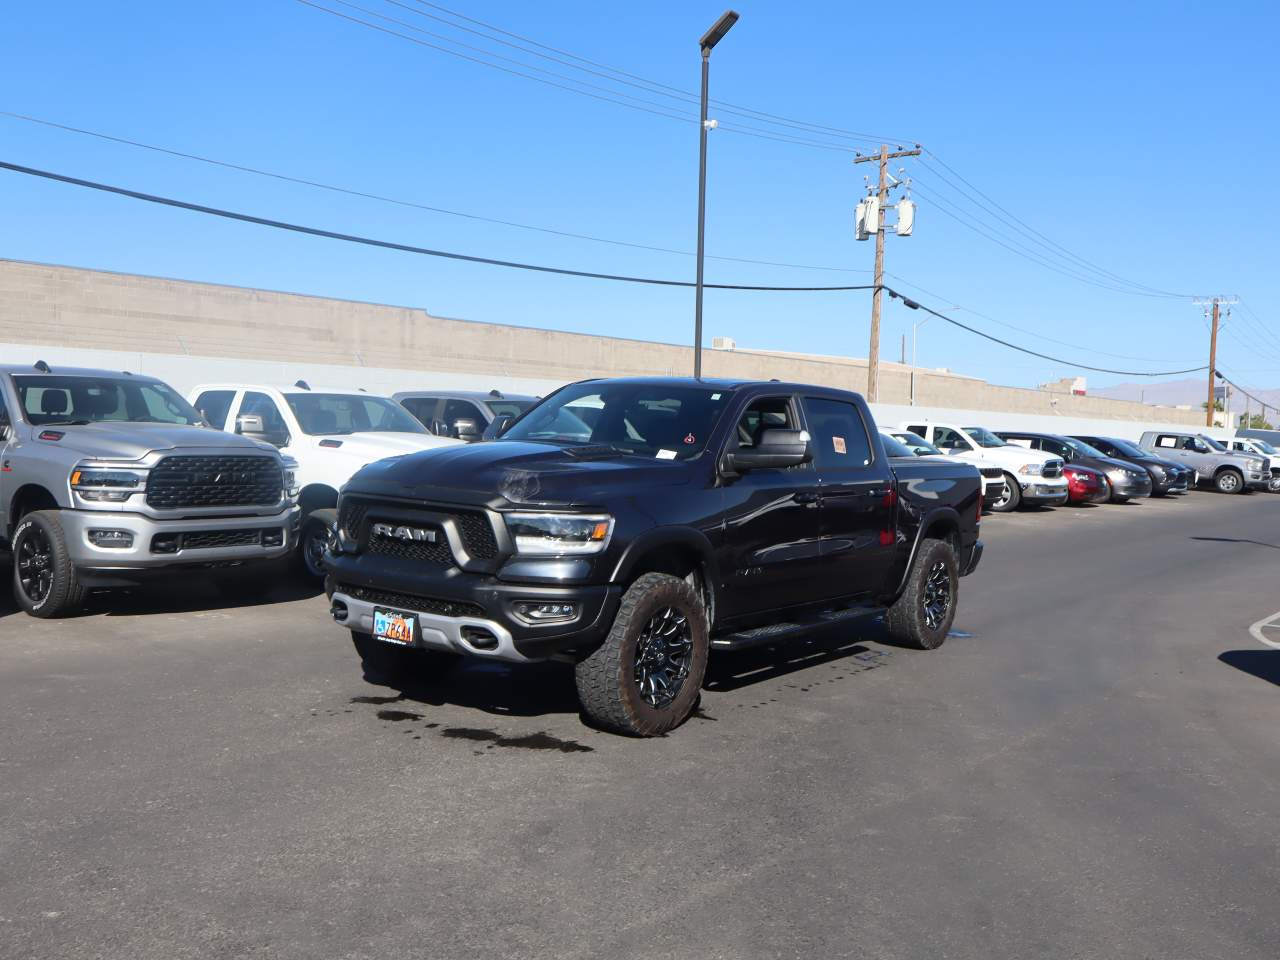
x=1140, y=136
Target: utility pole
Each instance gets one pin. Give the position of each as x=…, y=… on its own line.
x=1214, y=303
x=882, y=195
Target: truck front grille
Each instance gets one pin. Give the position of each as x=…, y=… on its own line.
x=474, y=528
x=214, y=481
x=409, y=601
x=1052, y=469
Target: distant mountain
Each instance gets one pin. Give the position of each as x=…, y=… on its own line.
x=1191, y=393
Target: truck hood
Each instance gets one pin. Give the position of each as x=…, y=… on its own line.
x=133, y=441
x=368, y=447
x=519, y=473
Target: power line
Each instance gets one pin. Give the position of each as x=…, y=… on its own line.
x=661, y=88
x=607, y=95
x=403, y=247
x=562, y=271
x=303, y=181
x=1027, y=229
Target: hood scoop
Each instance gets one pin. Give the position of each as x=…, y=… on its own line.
x=594, y=452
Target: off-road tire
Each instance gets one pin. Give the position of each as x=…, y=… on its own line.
x=1014, y=499
x=65, y=595
x=390, y=665
x=906, y=620
x=318, y=523
x=606, y=680
x=1229, y=481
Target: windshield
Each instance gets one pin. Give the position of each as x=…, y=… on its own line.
x=1129, y=449
x=51, y=399
x=510, y=408
x=984, y=437
x=652, y=420
x=330, y=414
x=1263, y=446
x=918, y=444
x=1082, y=448
x=1214, y=444
x=894, y=447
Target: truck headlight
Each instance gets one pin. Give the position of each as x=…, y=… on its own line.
x=555, y=534
x=290, y=478
x=1256, y=465
x=1031, y=469
x=113, y=486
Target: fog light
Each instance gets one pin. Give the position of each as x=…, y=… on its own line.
x=538, y=612
x=114, y=539
x=272, y=538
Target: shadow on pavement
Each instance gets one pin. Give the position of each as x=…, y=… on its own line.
x=808, y=647
x=505, y=689
x=207, y=590
x=1256, y=543
x=1263, y=664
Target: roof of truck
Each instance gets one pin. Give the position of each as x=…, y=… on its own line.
x=25, y=369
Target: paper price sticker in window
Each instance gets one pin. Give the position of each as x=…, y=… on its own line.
x=838, y=444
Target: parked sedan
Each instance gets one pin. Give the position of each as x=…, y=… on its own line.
x=1166, y=475
x=1085, y=484
x=1126, y=480
x=993, y=484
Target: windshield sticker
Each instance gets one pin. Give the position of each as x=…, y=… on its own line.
x=690, y=438
x=838, y=443
x=715, y=396
x=666, y=454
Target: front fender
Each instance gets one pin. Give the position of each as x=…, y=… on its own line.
x=938, y=517
x=655, y=540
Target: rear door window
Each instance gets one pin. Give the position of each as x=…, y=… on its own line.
x=838, y=434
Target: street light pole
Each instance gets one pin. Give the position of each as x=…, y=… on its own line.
x=707, y=43
x=914, y=329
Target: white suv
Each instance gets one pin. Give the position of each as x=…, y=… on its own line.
x=1032, y=477
x=330, y=433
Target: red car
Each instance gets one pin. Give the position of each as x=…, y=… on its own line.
x=1085, y=485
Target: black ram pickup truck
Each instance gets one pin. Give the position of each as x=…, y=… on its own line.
x=634, y=525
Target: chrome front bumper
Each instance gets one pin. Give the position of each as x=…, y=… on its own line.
x=139, y=555
x=436, y=632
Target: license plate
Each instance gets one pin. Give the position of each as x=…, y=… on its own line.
x=395, y=627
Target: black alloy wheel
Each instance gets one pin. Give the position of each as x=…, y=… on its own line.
x=34, y=564
x=936, y=597
x=664, y=651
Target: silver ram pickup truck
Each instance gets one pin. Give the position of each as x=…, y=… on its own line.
x=108, y=478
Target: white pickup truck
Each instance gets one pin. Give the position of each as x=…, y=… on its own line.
x=330, y=433
x=1031, y=477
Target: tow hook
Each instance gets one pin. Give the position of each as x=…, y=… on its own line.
x=338, y=610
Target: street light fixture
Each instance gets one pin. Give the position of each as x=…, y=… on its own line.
x=707, y=43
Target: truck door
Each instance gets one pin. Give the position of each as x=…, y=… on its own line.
x=772, y=537
x=858, y=537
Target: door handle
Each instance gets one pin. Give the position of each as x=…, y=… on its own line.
x=805, y=496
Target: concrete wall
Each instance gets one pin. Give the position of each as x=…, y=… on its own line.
x=186, y=332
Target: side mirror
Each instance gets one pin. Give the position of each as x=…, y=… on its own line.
x=251, y=425
x=777, y=449
x=498, y=427
x=464, y=428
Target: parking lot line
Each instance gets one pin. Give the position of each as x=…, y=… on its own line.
x=1257, y=628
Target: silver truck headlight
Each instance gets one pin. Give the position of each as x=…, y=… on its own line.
x=1257, y=465
x=114, y=486
x=556, y=534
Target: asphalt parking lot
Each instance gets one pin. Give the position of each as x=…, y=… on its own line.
x=1090, y=767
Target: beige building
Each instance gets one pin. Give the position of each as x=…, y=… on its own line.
x=90, y=310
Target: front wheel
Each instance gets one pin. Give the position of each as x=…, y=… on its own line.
x=1229, y=481
x=922, y=616
x=1012, y=498
x=44, y=579
x=317, y=530
x=646, y=677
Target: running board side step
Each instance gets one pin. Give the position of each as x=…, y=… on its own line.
x=794, y=630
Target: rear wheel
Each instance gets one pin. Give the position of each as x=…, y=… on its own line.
x=1012, y=498
x=1229, y=481
x=922, y=616
x=44, y=579
x=646, y=677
